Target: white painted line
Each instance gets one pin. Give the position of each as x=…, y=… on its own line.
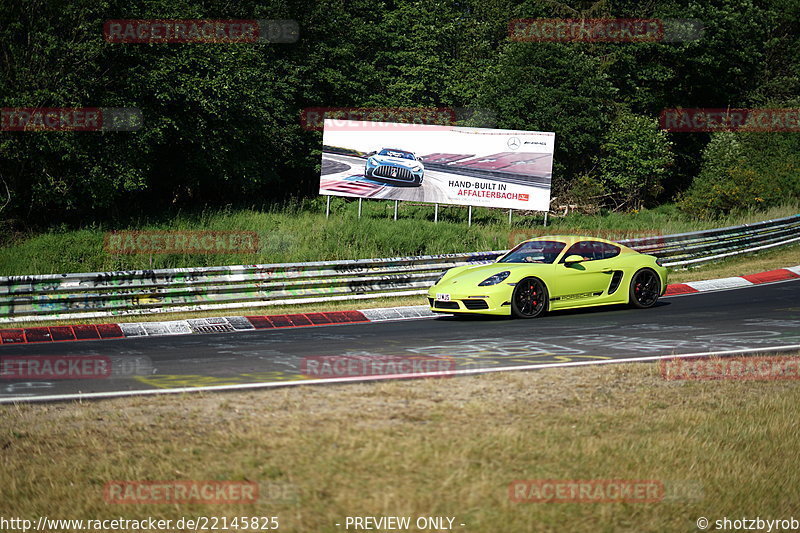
x=362, y=379
x=795, y=269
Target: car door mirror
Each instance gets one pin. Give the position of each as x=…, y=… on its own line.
x=573, y=260
x=420, y=159
x=372, y=153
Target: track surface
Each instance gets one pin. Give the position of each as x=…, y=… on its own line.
x=754, y=317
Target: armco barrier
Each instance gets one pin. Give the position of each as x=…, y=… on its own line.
x=137, y=292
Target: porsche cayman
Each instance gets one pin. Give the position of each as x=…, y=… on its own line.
x=551, y=273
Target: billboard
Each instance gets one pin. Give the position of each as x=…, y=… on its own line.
x=437, y=164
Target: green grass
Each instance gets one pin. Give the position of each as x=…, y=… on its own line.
x=300, y=232
x=424, y=447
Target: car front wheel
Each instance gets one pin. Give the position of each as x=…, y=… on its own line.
x=529, y=299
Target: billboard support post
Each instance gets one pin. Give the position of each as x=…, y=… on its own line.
x=435, y=213
x=509, y=216
x=395, y=208
x=328, y=207
x=359, y=208
x=545, y=218
x=469, y=216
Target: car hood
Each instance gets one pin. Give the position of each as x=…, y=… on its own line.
x=399, y=161
x=474, y=274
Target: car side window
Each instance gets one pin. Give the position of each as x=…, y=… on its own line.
x=592, y=250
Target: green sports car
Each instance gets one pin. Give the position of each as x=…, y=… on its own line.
x=550, y=273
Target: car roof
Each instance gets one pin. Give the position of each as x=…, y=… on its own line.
x=572, y=239
x=397, y=150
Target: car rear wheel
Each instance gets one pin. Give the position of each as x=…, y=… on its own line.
x=529, y=299
x=645, y=289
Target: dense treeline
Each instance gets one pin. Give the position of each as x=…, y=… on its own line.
x=221, y=121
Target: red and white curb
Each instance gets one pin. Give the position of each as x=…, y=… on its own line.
x=736, y=282
x=229, y=324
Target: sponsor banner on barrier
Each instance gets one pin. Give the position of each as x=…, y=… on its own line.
x=437, y=164
x=181, y=242
x=200, y=31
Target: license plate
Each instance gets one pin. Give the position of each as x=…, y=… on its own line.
x=442, y=297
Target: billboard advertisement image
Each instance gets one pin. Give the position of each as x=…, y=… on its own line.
x=437, y=164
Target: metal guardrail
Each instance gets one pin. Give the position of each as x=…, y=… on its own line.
x=137, y=292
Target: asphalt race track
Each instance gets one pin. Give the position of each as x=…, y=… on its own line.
x=755, y=317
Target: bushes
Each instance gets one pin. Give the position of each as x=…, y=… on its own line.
x=635, y=161
x=741, y=171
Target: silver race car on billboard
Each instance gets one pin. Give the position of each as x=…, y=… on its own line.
x=395, y=166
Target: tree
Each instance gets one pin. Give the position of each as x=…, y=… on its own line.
x=635, y=160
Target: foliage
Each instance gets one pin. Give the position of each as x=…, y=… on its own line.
x=745, y=170
x=635, y=159
x=221, y=120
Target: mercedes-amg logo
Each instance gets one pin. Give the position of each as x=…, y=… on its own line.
x=513, y=143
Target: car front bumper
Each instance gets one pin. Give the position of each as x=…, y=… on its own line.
x=479, y=301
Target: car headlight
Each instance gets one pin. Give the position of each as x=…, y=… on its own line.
x=416, y=168
x=371, y=161
x=495, y=279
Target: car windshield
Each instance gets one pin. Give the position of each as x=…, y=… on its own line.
x=397, y=153
x=534, y=252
